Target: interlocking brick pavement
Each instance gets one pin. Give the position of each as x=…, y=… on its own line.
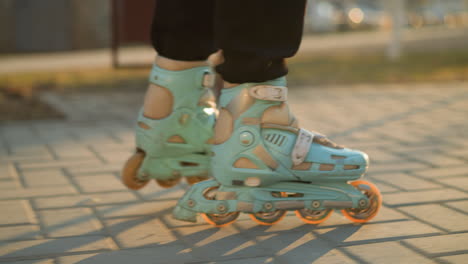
x=61, y=200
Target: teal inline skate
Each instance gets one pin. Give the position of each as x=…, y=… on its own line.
x=177, y=145
x=265, y=165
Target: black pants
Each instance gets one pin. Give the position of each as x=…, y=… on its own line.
x=255, y=35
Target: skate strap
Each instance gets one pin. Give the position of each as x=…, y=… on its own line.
x=269, y=92
x=208, y=79
x=302, y=146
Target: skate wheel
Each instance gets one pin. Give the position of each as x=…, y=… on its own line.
x=269, y=218
x=130, y=172
x=314, y=216
x=220, y=220
x=194, y=179
x=375, y=202
x=168, y=183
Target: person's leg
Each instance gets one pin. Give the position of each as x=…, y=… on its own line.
x=183, y=30
x=182, y=35
x=256, y=37
x=176, y=122
x=264, y=164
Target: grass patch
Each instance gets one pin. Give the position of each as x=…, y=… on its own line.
x=18, y=92
x=18, y=100
x=28, y=84
x=340, y=68
x=373, y=68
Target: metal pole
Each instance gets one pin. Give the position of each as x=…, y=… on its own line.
x=115, y=28
x=397, y=13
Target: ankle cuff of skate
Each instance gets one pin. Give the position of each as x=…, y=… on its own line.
x=202, y=77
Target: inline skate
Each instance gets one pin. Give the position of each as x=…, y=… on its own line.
x=177, y=145
x=265, y=165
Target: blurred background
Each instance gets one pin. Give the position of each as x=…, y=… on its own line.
x=71, y=45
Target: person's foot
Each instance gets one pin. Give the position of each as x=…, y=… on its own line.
x=265, y=165
x=174, y=127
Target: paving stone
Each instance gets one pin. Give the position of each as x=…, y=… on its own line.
x=115, y=156
x=175, y=253
x=296, y=247
x=9, y=185
x=76, y=259
x=377, y=231
x=85, y=200
x=6, y=171
x=377, y=155
x=439, y=159
x=24, y=149
x=208, y=243
x=70, y=222
x=20, y=232
x=103, y=168
x=460, y=205
x=290, y=224
x=121, y=146
x=334, y=257
x=68, y=150
x=50, y=247
x=455, y=259
x=444, y=172
x=456, y=182
x=33, y=261
x=395, y=167
x=16, y=212
x=395, y=130
x=153, y=191
x=139, y=232
x=259, y=260
x=137, y=209
x=36, y=192
x=406, y=182
x=173, y=223
x=442, y=244
x=26, y=158
x=383, y=187
x=100, y=183
x=27, y=165
x=45, y=178
x=432, y=196
x=387, y=252
x=439, y=216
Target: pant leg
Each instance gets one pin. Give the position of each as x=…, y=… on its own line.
x=183, y=29
x=256, y=36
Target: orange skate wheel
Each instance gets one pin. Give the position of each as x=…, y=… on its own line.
x=314, y=216
x=358, y=215
x=130, y=172
x=269, y=218
x=220, y=220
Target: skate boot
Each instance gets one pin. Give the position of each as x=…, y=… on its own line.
x=176, y=145
x=265, y=165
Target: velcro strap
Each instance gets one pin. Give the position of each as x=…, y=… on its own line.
x=208, y=80
x=302, y=146
x=269, y=92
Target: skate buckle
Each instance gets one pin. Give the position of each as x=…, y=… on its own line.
x=269, y=92
x=302, y=146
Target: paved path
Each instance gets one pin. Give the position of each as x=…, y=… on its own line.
x=61, y=200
